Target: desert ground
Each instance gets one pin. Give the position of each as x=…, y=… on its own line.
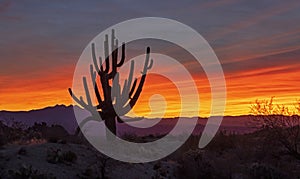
x=49, y=151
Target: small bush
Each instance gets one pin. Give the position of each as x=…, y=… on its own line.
x=195, y=166
x=264, y=171
x=2, y=140
x=57, y=156
x=22, y=151
x=69, y=156
x=222, y=141
x=27, y=171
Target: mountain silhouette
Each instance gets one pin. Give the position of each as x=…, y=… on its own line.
x=59, y=114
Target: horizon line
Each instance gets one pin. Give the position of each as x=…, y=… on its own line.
x=71, y=105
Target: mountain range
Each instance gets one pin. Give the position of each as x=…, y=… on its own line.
x=64, y=116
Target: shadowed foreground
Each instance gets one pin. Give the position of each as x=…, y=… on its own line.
x=45, y=155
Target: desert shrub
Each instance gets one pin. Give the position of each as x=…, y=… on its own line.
x=1, y=141
x=53, y=139
x=69, y=156
x=141, y=139
x=52, y=134
x=97, y=169
x=193, y=165
x=222, y=141
x=190, y=144
x=165, y=169
x=258, y=170
x=281, y=123
x=2, y=134
x=8, y=134
x=17, y=125
x=16, y=132
x=57, y=156
x=27, y=171
x=250, y=147
x=22, y=151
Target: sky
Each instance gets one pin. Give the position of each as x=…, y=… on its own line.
x=257, y=43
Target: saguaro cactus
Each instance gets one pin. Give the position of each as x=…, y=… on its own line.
x=115, y=101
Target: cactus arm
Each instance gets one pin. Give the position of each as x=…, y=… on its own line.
x=88, y=106
x=147, y=66
x=113, y=37
x=87, y=93
x=96, y=89
x=124, y=98
x=100, y=70
x=129, y=81
x=127, y=84
x=106, y=50
x=113, y=72
x=75, y=98
x=93, y=74
x=101, y=66
x=115, y=52
x=130, y=76
x=138, y=91
x=126, y=92
x=122, y=56
x=106, y=54
x=134, y=98
x=132, y=88
x=104, y=78
x=116, y=89
x=95, y=59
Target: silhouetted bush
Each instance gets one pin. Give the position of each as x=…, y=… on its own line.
x=282, y=124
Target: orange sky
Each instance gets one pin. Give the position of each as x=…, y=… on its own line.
x=242, y=89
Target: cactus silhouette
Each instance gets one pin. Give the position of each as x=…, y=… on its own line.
x=115, y=101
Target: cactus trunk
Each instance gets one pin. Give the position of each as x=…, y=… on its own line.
x=111, y=128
